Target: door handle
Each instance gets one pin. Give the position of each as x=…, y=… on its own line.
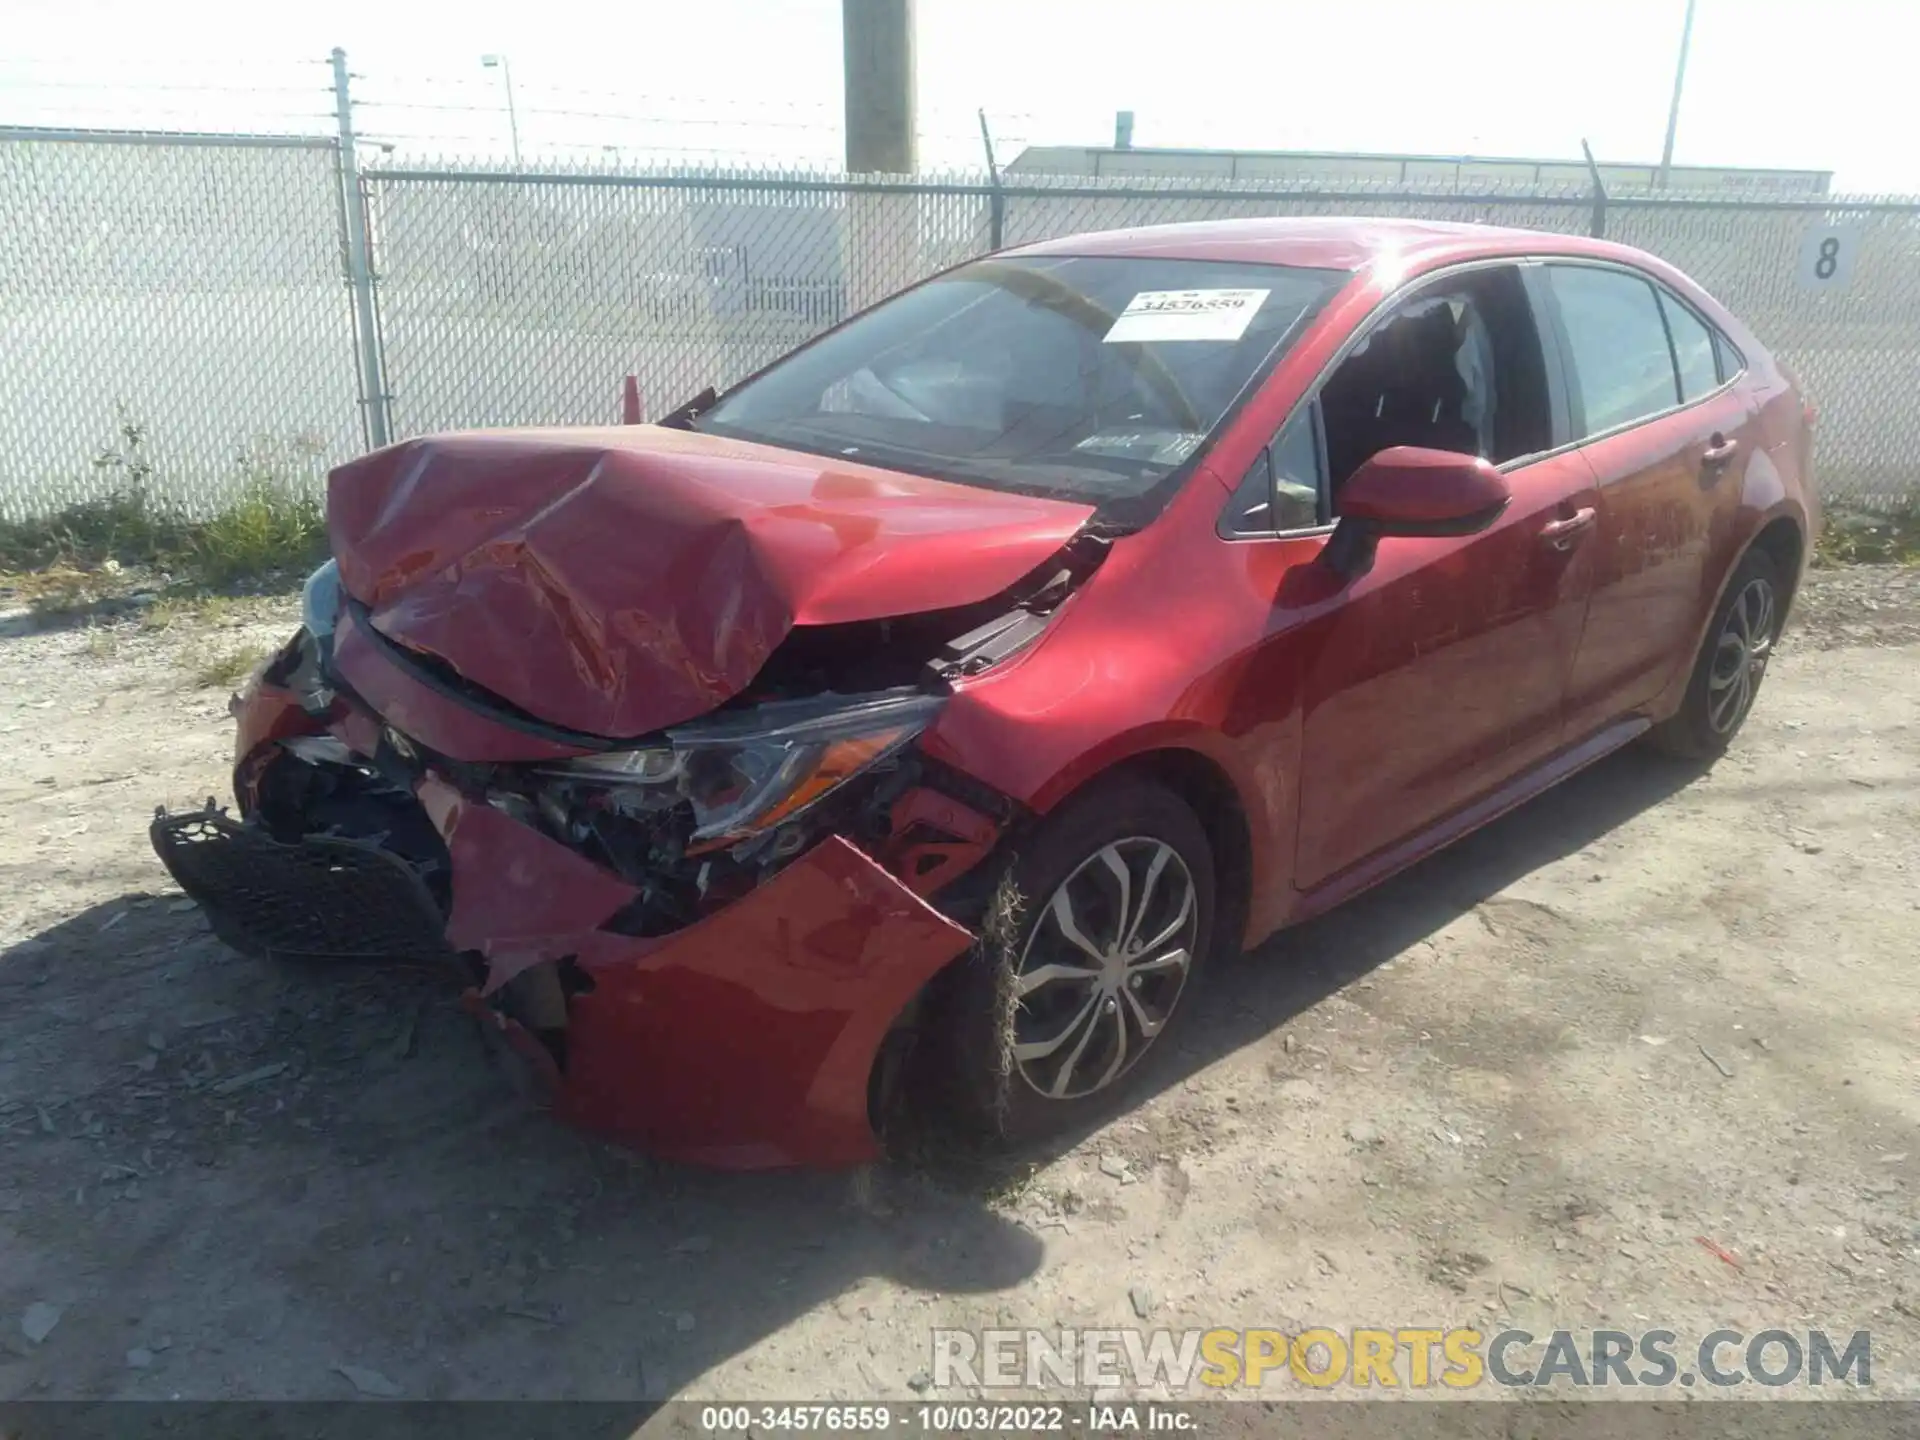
x=1561, y=534
x=1720, y=449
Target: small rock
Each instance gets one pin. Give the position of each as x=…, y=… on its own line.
x=369, y=1382
x=1596, y=877
x=1811, y=847
x=38, y=1320
x=920, y=1382
x=180, y=907
x=683, y=1322
x=1360, y=1132
x=694, y=1245
x=1113, y=1167
x=1287, y=1044
x=139, y=1357
x=1897, y=1158
x=1143, y=1300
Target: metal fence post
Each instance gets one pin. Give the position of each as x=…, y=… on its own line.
x=1597, y=228
x=353, y=209
x=997, y=201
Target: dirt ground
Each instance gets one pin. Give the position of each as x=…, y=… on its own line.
x=1521, y=1084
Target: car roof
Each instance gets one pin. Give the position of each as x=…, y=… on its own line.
x=1332, y=242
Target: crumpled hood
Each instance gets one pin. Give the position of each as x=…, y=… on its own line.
x=623, y=579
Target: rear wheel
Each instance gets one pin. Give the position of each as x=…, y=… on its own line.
x=1732, y=663
x=1088, y=951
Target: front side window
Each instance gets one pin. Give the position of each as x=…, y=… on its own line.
x=1094, y=378
x=1457, y=367
x=1622, y=368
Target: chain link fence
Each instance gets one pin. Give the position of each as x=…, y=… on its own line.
x=197, y=289
x=190, y=288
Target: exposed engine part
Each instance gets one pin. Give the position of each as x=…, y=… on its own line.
x=1033, y=601
x=935, y=646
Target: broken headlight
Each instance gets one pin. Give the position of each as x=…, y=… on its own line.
x=746, y=774
x=320, y=600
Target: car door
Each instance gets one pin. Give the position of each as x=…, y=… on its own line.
x=1441, y=672
x=1668, y=433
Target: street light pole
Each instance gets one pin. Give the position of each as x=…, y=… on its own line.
x=499, y=62
x=1679, y=83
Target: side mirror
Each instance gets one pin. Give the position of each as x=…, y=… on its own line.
x=1414, y=492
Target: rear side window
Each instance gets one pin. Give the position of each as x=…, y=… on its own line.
x=1622, y=367
x=1692, y=349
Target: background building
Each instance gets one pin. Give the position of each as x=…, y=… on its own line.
x=1454, y=172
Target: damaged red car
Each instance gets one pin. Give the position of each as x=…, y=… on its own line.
x=933, y=704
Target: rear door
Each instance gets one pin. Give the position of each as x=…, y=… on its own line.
x=1668, y=432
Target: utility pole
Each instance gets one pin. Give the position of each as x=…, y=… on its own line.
x=499, y=62
x=353, y=205
x=1679, y=83
x=877, y=40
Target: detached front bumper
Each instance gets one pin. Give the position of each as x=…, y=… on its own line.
x=321, y=899
x=744, y=1040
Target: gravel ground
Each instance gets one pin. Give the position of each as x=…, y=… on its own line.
x=1643, y=1053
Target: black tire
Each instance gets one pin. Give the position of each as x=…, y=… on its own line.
x=985, y=1018
x=1724, y=684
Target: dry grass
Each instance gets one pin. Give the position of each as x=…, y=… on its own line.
x=130, y=538
x=187, y=609
x=1890, y=537
x=224, y=668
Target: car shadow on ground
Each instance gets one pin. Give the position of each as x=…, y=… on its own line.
x=295, y=1182
x=280, y=1181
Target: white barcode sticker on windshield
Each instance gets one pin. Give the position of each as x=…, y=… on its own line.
x=1155, y=315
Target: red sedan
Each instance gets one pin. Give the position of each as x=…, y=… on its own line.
x=937, y=701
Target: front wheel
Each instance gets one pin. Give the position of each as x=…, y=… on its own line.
x=1731, y=664
x=1090, y=947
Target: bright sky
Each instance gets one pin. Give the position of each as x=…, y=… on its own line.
x=1818, y=84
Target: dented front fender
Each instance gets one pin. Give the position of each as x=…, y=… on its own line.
x=746, y=1039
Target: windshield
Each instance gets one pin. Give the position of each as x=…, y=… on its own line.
x=1093, y=377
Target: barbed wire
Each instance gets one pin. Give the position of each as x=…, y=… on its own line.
x=418, y=111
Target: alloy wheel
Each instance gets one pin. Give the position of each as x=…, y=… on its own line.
x=1106, y=962
x=1740, y=656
